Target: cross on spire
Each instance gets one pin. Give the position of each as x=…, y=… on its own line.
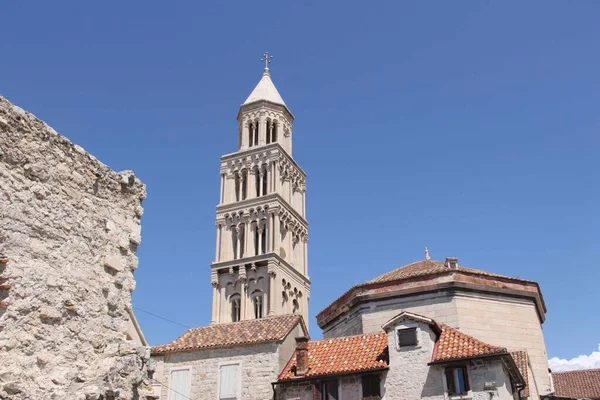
x=267, y=59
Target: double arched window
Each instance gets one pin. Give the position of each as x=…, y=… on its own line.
x=258, y=303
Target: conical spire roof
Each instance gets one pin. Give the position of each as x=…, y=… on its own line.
x=265, y=90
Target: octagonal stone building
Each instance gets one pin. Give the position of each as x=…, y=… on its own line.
x=497, y=309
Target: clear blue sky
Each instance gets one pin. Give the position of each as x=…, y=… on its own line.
x=469, y=127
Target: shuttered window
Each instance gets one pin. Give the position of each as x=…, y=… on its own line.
x=180, y=385
x=229, y=382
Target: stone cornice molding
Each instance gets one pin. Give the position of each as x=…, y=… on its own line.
x=272, y=152
x=271, y=202
x=275, y=262
x=254, y=109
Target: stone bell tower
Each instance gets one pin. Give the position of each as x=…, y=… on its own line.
x=260, y=267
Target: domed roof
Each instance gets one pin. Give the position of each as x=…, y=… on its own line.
x=431, y=275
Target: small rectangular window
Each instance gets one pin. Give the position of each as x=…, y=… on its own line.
x=229, y=382
x=407, y=337
x=457, y=380
x=371, y=387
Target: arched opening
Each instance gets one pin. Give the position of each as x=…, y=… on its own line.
x=242, y=241
x=295, y=307
x=284, y=300
x=234, y=241
x=255, y=123
x=257, y=181
x=258, y=303
x=263, y=237
x=238, y=183
x=274, y=131
x=250, y=134
x=269, y=126
x=244, y=179
x=235, y=308
x=264, y=182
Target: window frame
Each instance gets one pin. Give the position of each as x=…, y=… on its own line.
x=189, y=384
x=416, y=331
x=450, y=383
x=239, y=383
x=376, y=377
x=323, y=393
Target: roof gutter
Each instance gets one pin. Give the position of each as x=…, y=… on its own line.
x=327, y=376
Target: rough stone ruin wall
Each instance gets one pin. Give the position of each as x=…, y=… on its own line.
x=69, y=230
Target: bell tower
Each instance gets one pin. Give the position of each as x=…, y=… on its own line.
x=260, y=267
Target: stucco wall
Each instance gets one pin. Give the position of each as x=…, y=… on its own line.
x=259, y=366
x=70, y=227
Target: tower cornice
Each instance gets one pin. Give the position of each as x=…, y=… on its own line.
x=269, y=152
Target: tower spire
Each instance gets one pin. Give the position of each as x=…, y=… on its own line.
x=427, y=253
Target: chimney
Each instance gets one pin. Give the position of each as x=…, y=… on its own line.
x=452, y=262
x=301, y=355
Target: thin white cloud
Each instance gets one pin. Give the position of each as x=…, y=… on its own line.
x=579, y=362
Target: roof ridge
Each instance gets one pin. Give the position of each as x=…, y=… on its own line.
x=349, y=336
x=576, y=370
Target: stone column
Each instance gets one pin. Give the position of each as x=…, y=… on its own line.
x=243, y=294
x=303, y=202
x=259, y=230
x=268, y=234
x=241, y=185
x=251, y=242
x=229, y=188
x=251, y=184
x=218, y=244
x=215, y=303
x=261, y=174
x=221, y=188
x=238, y=247
x=305, y=245
x=245, y=135
x=272, y=292
x=271, y=132
x=247, y=235
x=276, y=232
x=262, y=131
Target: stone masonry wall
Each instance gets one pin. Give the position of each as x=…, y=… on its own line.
x=259, y=366
x=69, y=230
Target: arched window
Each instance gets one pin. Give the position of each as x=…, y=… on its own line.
x=250, y=134
x=295, y=306
x=235, y=308
x=244, y=179
x=265, y=179
x=274, y=131
x=255, y=132
x=284, y=300
x=234, y=241
x=269, y=125
x=257, y=181
x=238, y=183
x=263, y=237
x=257, y=301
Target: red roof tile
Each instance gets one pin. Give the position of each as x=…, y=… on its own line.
x=582, y=384
x=455, y=345
x=429, y=267
x=346, y=354
x=271, y=329
x=417, y=274
x=520, y=358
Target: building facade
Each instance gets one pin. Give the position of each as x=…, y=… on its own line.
x=261, y=265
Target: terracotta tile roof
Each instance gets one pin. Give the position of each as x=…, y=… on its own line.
x=342, y=355
x=422, y=273
x=455, y=345
x=520, y=358
x=582, y=384
x=428, y=267
x=271, y=329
